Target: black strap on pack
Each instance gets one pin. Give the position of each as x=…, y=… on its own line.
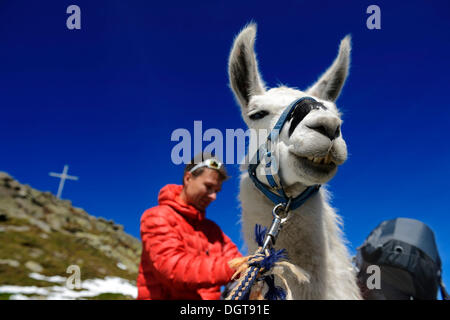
x=444, y=292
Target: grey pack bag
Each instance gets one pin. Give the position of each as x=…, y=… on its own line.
x=405, y=251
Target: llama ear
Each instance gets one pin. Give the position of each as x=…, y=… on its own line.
x=329, y=85
x=245, y=79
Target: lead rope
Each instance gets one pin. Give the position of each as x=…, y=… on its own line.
x=264, y=258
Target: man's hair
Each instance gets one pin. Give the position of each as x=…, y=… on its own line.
x=202, y=157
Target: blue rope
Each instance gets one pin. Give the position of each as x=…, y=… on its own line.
x=260, y=234
x=260, y=263
x=274, y=292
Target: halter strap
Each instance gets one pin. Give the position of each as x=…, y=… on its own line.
x=278, y=194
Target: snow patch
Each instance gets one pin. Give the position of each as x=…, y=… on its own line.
x=37, y=276
x=89, y=288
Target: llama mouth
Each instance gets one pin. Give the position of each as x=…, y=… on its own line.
x=323, y=164
x=320, y=160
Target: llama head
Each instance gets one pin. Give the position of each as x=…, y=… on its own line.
x=310, y=146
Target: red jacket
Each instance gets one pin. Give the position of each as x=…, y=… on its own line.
x=184, y=255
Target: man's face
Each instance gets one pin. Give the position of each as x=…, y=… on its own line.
x=202, y=190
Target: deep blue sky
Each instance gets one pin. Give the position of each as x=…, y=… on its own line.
x=105, y=100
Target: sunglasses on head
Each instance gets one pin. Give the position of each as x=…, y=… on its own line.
x=210, y=163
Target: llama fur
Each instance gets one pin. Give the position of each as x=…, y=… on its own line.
x=313, y=235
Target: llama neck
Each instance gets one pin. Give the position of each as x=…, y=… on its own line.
x=302, y=235
x=294, y=190
x=312, y=239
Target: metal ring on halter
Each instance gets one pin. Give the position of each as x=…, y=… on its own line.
x=275, y=214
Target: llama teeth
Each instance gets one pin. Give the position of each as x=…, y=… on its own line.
x=325, y=160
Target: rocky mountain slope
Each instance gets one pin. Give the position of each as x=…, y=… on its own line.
x=41, y=236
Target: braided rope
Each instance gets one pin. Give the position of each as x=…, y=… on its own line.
x=257, y=265
x=245, y=283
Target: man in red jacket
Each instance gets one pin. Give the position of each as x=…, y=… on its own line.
x=185, y=255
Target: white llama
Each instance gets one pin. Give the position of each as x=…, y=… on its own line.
x=309, y=150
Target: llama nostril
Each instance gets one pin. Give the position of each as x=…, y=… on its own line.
x=337, y=133
x=330, y=132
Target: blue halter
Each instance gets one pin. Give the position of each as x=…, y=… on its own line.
x=276, y=191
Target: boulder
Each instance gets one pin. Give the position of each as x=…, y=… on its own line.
x=34, y=266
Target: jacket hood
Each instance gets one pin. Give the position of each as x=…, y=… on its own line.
x=169, y=195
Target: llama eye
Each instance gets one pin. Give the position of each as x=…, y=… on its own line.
x=258, y=115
